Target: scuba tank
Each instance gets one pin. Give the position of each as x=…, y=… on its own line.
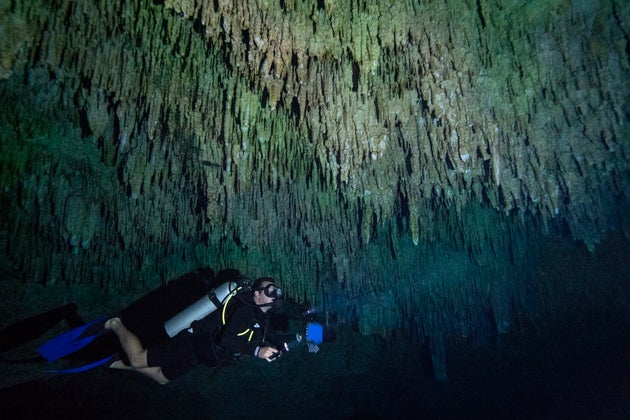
x=200, y=309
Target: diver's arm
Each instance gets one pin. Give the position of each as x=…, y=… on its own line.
x=283, y=341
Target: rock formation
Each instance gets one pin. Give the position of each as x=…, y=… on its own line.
x=395, y=162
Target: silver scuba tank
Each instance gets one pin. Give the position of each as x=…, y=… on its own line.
x=200, y=309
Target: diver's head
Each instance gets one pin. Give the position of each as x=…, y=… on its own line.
x=265, y=293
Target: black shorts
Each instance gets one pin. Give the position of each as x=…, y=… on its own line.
x=176, y=356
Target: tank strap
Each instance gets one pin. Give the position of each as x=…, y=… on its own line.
x=214, y=299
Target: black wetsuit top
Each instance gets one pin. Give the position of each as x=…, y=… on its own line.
x=244, y=330
x=210, y=342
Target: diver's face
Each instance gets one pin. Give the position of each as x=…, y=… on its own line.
x=261, y=299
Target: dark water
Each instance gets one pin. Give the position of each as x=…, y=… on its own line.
x=573, y=366
x=581, y=373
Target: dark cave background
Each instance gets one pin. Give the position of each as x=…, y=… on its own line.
x=445, y=181
x=574, y=367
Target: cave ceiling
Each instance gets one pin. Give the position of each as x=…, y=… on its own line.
x=306, y=139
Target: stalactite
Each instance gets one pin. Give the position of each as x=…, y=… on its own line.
x=333, y=146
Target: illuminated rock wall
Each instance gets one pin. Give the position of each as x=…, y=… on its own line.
x=343, y=147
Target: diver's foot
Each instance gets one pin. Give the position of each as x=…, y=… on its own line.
x=118, y=364
x=113, y=324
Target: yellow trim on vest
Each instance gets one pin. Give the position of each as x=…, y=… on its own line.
x=244, y=332
x=250, y=331
x=225, y=304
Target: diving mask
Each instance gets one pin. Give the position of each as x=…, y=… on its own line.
x=272, y=291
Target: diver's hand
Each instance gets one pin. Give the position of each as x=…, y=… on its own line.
x=268, y=353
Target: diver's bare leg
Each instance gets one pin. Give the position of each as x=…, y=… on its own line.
x=154, y=373
x=136, y=354
x=130, y=343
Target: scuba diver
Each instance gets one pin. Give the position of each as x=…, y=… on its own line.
x=242, y=329
x=197, y=318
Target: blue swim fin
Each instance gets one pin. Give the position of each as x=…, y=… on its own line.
x=84, y=367
x=73, y=340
